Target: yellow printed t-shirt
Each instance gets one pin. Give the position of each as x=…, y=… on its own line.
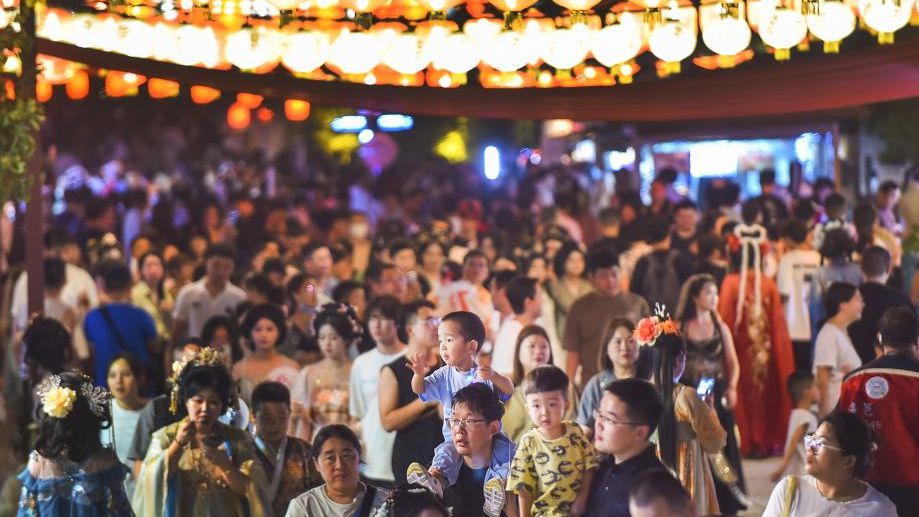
x=551, y=470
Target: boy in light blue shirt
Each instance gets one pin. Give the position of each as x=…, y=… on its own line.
x=461, y=335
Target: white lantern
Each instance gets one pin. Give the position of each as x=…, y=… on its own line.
x=106, y=34
x=672, y=41
x=783, y=28
x=886, y=16
x=835, y=21
x=253, y=48
x=482, y=30
x=355, y=52
x=536, y=33
x=567, y=48
x=165, y=45
x=135, y=38
x=457, y=54
x=615, y=44
x=407, y=54
x=195, y=46
x=49, y=26
x=506, y=52
x=305, y=51
x=726, y=36
x=80, y=30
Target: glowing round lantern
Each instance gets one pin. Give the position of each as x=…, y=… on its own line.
x=407, y=54
x=196, y=46
x=249, y=100
x=305, y=51
x=726, y=36
x=835, y=21
x=362, y=6
x=434, y=32
x=135, y=38
x=253, y=49
x=886, y=16
x=537, y=32
x=43, y=90
x=80, y=30
x=566, y=48
x=54, y=70
x=506, y=52
x=78, y=86
x=50, y=26
x=783, y=29
x=165, y=45
x=482, y=30
x=355, y=52
x=672, y=41
x=296, y=110
x=115, y=85
x=615, y=44
x=264, y=115
x=457, y=54
x=577, y=5
x=203, y=94
x=238, y=117
x=162, y=88
x=106, y=37
x=512, y=5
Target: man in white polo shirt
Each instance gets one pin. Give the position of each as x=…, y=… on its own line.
x=211, y=296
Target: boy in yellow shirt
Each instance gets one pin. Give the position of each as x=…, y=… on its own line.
x=555, y=462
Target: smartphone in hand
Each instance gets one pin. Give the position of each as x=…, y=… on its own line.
x=705, y=387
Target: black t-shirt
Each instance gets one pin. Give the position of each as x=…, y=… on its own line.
x=467, y=496
x=878, y=298
x=609, y=492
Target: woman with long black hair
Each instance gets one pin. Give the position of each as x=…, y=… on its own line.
x=689, y=427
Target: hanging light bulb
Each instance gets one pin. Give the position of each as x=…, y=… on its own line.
x=566, y=48
x=255, y=48
x=355, y=53
x=457, y=54
x=835, y=21
x=617, y=43
x=783, y=29
x=305, y=51
x=296, y=110
x=886, y=16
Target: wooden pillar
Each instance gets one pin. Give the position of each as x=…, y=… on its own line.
x=34, y=226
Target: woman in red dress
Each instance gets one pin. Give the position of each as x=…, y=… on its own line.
x=750, y=305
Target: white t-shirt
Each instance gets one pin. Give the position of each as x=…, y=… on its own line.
x=798, y=418
x=195, y=304
x=77, y=282
x=834, y=349
x=315, y=502
x=793, y=281
x=364, y=404
x=502, y=357
x=808, y=501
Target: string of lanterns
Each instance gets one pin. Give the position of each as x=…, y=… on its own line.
x=425, y=48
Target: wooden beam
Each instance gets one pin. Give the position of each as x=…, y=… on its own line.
x=806, y=84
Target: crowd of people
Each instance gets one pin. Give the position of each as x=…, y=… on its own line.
x=457, y=355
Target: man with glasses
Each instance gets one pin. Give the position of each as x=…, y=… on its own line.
x=486, y=452
x=627, y=417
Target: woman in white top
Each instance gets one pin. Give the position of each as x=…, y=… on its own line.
x=337, y=453
x=125, y=375
x=834, y=355
x=838, y=456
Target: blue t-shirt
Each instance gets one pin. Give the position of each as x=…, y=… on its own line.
x=445, y=382
x=135, y=326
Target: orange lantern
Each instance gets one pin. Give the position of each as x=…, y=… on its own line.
x=204, y=94
x=249, y=100
x=115, y=85
x=238, y=117
x=78, y=85
x=43, y=90
x=10, y=90
x=264, y=115
x=296, y=110
x=162, y=88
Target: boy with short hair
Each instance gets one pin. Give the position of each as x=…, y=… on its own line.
x=461, y=335
x=285, y=459
x=656, y=493
x=555, y=462
x=804, y=394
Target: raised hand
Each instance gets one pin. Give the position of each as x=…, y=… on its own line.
x=417, y=364
x=486, y=373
